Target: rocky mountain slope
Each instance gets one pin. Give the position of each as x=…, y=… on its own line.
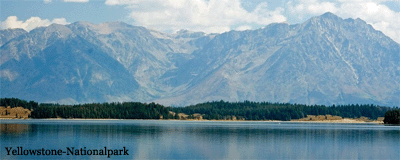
x=325, y=60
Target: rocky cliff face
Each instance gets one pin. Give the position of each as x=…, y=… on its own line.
x=8, y=34
x=325, y=60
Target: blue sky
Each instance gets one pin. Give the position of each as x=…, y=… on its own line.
x=197, y=15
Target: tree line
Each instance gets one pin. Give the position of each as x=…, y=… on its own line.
x=125, y=110
x=280, y=111
x=15, y=102
x=215, y=110
x=392, y=117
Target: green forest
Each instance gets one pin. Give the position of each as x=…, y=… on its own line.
x=279, y=111
x=392, y=117
x=125, y=110
x=216, y=110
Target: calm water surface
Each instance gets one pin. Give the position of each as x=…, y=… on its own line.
x=153, y=139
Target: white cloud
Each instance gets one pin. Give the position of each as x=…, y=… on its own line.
x=243, y=28
x=211, y=16
x=78, y=1
x=311, y=7
x=224, y=15
x=374, y=12
x=47, y=1
x=31, y=23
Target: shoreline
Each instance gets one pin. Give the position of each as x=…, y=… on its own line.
x=345, y=120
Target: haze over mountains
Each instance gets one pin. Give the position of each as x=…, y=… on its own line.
x=325, y=60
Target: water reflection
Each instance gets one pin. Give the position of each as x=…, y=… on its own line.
x=14, y=129
x=213, y=140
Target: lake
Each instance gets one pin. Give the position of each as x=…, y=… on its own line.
x=159, y=139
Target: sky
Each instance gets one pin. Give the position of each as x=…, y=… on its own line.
x=210, y=16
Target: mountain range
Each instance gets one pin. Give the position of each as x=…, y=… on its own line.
x=324, y=60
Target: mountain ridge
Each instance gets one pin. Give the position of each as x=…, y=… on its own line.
x=325, y=60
